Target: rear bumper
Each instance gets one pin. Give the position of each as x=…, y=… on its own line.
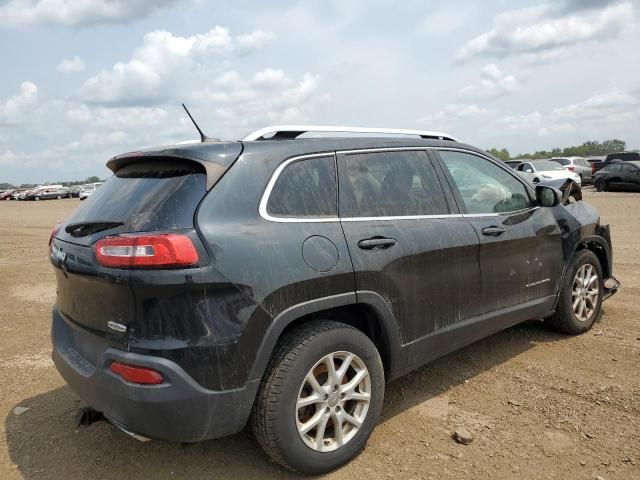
x=178, y=410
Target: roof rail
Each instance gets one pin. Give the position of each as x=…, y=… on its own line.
x=288, y=132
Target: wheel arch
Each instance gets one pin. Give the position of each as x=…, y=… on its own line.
x=600, y=247
x=366, y=311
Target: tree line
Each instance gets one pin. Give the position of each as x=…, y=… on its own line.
x=590, y=148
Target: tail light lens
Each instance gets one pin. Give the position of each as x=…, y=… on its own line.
x=571, y=168
x=593, y=168
x=140, y=375
x=54, y=232
x=140, y=251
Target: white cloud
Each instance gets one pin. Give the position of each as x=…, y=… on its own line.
x=254, y=41
x=14, y=108
x=525, y=122
x=611, y=107
x=119, y=118
x=545, y=30
x=444, y=21
x=8, y=158
x=453, y=114
x=493, y=83
x=599, y=113
x=77, y=12
x=71, y=65
x=270, y=96
x=155, y=69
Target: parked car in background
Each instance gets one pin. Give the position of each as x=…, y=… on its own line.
x=537, y=171
x=48, y=193
x=617, y=157
x=282, y=281
x=88, y=189
x=18, y=193
x=620, y=175
x=513, y=163
x=38, y=192
x=576, y=165
x=623, y=157
x=74, y=192
x=6, y=195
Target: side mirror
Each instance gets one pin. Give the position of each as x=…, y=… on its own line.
x=547, y=196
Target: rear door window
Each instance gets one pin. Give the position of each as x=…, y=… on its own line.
x=306, y=188
x=390, y=184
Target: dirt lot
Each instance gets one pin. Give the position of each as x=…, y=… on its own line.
x=540, y=405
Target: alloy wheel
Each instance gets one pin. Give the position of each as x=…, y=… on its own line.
x=333, y=401
x=585, y=292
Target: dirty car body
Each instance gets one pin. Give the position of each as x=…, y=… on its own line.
x=286, y=232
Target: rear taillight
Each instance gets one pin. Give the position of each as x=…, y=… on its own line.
x=593, y=168
x=133, y=374
x=140, y=251
x=54, y=232
x=571, y=168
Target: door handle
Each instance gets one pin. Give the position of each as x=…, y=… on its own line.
x=376, y=243
x=493, y=231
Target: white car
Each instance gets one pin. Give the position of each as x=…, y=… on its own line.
x=540, y=170
x=88, y=189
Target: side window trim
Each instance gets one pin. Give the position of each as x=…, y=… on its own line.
x=452, y=207
x=458, y=197
x=264, y=201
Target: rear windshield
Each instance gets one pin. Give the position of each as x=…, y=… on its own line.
x=561, y=161
x=546, y=165
x=147, y=196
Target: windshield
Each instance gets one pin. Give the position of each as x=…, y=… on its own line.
x=546, y=165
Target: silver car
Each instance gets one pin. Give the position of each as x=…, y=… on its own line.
x=577, y=165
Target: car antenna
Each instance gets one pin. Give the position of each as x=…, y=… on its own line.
x=203, y=137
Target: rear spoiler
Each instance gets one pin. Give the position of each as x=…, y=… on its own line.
x=215, y=158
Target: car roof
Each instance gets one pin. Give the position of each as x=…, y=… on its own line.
x=217, y=150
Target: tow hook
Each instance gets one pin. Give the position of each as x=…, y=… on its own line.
x=86, y=416
x=611, y=286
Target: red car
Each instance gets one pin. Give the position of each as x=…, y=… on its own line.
x=6, y=195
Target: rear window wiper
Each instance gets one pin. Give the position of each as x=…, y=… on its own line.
x=82, y=229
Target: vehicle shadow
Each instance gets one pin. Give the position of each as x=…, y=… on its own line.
x=43, y=444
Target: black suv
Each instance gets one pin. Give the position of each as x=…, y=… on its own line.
x=284, y=281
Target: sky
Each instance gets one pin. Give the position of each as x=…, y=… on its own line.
x=83, y=80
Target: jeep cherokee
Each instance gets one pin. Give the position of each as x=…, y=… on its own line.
x=282, y=281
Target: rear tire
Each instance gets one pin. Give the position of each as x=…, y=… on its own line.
x=299, y=389
x=581, y=294
x=59, y=197
x=600, y=185
x=37, y=198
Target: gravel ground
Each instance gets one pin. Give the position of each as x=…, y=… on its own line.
x=538, y=404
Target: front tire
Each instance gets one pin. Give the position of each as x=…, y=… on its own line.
x=600, y=185
x=580, y=295
x=320, y=398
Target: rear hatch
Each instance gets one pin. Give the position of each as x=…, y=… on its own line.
x=147, y=193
